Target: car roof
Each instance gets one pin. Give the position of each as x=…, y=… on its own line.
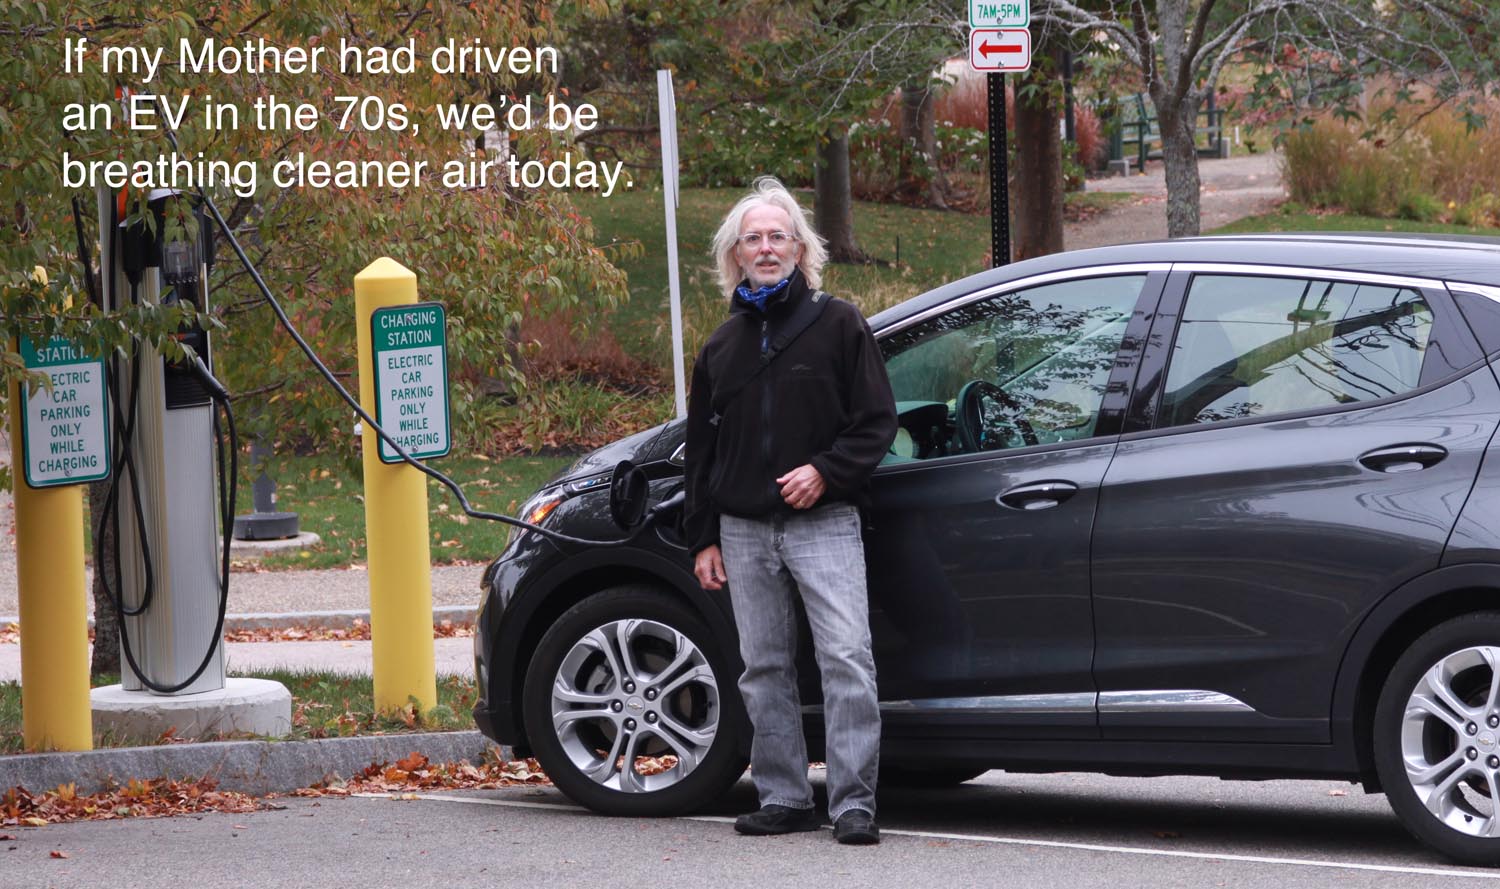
x=1470, y=259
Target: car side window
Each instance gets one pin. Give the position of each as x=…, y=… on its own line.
x=1254, y=346
x=1022, y=368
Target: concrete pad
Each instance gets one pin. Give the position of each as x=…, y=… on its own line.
x=246, y=548
x=252, y=706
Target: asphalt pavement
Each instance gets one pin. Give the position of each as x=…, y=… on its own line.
x=1003, y=830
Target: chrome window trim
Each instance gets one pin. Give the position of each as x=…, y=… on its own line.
x=1484, y=290
x=1171, y=701
x=1290, y=271
x=1372, y=240
x=679, y=456
x=1094, y=271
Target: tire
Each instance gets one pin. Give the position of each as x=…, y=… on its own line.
x=1437, y=738
x=593, y=701
x=931, y=777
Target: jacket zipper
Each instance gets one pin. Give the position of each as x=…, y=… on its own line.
x=765, y=406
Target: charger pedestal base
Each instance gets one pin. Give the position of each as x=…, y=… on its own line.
x=251, y=706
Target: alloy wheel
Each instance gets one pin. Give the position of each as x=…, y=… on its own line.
x=1450, y=740
x=635, y=705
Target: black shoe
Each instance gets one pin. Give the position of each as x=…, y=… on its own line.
x=856, y=827
x=773, y=819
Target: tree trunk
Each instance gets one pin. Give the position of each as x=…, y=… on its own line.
x=1180, y=160
x=1038, y=179
x=922, y=180
x=106, y=657
x=833, y=208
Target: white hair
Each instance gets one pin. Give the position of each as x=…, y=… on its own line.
x=767, y=191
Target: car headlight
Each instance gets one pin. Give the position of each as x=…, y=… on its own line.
x=535, y=511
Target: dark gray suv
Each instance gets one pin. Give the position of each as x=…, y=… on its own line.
x=1222, y=506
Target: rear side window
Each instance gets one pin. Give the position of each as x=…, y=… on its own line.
x=1255, y=346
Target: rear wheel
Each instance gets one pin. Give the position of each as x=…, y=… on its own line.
x=627, y=706
x=1437, y=738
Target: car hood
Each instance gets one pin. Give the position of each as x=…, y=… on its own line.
x=656, y=443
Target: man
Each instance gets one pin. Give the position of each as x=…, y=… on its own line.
x=790, y=412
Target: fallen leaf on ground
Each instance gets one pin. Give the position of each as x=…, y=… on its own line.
x=359, y=631
x=58, y=853
x=383, y=777
x=138, y=799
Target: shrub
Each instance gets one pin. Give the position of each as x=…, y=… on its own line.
x=1089, y=134
x=966, y=104
x=1425, y=168
x=1419, y=206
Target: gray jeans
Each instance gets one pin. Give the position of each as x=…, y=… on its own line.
x=818, y=555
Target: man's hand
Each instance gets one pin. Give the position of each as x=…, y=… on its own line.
x=802, y=487
x=708, y=567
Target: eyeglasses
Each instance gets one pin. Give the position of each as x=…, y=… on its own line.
x=778, y=239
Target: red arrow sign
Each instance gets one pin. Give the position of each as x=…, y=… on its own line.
x=988, y=49
x=1000, y=49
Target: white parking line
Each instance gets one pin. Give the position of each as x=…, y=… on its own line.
x=1005, y=841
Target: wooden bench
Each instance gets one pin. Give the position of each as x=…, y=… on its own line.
x=1131, y=120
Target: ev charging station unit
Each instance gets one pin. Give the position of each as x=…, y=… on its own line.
x=172, y=466
x=165, y=506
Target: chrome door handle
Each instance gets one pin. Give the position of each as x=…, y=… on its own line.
x=1037, y=495
x=1403, y=458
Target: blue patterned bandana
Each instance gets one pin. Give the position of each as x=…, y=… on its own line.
x=760, y=295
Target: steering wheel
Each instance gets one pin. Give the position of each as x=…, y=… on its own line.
x=974, y=433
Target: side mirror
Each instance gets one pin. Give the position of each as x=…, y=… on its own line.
x=628, y=494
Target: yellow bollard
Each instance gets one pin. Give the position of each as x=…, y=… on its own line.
x=55, y=709
x=398, y=551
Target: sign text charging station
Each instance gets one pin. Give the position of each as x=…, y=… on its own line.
x=410, y=346
x=66, y=437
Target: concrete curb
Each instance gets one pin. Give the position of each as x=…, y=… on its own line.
x=254, y=767
x=333, y=620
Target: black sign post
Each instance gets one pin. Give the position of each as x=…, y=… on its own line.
x=999, y=172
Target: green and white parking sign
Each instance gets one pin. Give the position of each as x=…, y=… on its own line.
x=410, y=348
x=65, y=432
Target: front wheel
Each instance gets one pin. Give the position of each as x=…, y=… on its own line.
x=1437, y=738
x=629, y=706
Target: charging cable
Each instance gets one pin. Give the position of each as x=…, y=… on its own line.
x=453, y=487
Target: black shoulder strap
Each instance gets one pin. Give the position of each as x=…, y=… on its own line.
x=803, y=318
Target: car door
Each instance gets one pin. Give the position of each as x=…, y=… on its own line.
x=978, y=543
x=1300, y=444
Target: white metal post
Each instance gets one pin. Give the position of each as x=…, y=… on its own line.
x=667, y=101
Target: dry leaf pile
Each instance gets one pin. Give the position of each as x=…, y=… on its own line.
x=138, y=799
x=415, y=772
x=359, y=631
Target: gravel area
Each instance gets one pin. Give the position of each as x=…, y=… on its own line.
x=1232, y=188
x=453, y=655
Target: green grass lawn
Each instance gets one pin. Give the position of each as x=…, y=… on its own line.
x=324, y=705
x=329, y=501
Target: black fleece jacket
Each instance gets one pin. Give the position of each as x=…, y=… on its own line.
x=824, y=400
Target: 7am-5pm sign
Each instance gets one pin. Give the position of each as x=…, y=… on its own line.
x=999, y=13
